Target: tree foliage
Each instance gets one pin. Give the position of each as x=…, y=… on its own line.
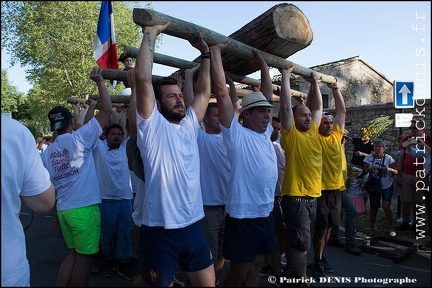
x=54, y=42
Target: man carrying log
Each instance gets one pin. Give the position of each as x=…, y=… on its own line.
x=167, y=138
x=302, y=182
x=249, y=229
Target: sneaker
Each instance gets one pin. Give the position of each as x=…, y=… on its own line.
x=126, y=271
x=97, y=267
x=319, y=269
x=177, y=283
x=108, y=269
x=266, y=271
x=335, y=242
x=403, y=227
x=352, y=248
x=327, y=267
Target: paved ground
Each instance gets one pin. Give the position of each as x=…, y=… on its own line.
x=46, y=252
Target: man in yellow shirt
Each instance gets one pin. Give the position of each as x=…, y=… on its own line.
x=331, y=131
x=302, y=182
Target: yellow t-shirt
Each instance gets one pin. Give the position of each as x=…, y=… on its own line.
x=332, y=177
x=303, y=156
x=344, y=169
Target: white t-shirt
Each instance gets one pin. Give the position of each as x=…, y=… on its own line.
x=69, y=160
x=254, y=171
x=172, y=170
x=280, y=156
x=112, y=171
x=23, y=174
x=386, y=179
x=215, y=168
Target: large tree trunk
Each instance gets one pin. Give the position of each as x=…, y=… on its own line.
x=188, y=31
x=282, y=31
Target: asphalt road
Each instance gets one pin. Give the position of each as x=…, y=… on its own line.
x=46, y=252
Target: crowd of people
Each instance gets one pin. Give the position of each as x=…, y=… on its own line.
x=175, y=182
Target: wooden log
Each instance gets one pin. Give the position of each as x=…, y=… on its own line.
x=115, y=99
x=282, y=31
x=188, y=31
x=183, y=64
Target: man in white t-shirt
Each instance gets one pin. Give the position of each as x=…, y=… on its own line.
x=24, y=179
x=69, y=160
x=114, y=179
x=171, y=206
x=249, y=228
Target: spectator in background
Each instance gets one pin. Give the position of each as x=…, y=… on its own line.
x=363, y=146
x=381, y=164
x=128, y=65
x=24, y=180
x=422, y=150
x=406, y=179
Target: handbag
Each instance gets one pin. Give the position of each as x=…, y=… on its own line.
x=373, y=183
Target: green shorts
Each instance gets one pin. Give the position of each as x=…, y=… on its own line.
x=81, y=228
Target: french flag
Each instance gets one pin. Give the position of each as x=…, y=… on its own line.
x=105, y=49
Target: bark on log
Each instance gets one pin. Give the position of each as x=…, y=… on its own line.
x=188, y=31
x=282, y=31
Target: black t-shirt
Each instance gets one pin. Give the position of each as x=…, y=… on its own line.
x=362, y=146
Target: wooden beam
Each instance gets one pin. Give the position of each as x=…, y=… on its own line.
x=282, y=31
x=188, y=31
x=183, y=64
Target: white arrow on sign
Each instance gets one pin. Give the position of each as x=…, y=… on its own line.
x=404, y=91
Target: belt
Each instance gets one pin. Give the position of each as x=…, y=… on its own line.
x=304, y=199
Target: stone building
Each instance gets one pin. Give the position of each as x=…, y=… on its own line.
x=368, y=95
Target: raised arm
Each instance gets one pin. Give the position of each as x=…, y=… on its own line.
x=105, y=104
x=91, y=109
x=131, y=115
x=339, y=105
x=233, y=95
x=225, y=107
x=314, y=100
x=203, y=86
x=188, y=89
x=143, y=72
x=285, y=106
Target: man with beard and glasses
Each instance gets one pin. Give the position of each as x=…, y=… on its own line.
x=172, y=203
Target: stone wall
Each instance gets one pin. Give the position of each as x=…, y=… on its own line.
x=358, y=116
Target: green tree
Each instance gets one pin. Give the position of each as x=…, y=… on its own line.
x=54, y=41
x=11, y=98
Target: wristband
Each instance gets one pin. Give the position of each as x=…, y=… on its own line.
x=205, y=55
x=335, y=88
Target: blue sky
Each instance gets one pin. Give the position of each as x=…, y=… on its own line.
x=382, y=33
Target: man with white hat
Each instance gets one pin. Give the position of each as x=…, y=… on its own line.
x=249, y=228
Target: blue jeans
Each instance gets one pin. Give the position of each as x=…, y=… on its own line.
x=350, y=214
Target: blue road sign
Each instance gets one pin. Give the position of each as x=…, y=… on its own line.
x=403, y=94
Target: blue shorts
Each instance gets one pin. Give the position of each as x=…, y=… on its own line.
x=386, y=195
x=162, y=249
x=299, y=218
x=246, y=238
